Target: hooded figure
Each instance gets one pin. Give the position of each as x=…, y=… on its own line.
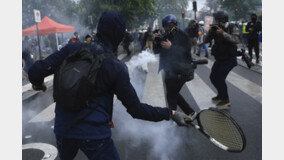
x=92, y=134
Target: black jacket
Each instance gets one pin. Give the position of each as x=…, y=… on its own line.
x=177, y=58
x=225, y=45
x=253, y=34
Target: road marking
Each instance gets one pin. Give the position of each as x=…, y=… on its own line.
x=201, y=92
x=46, y=115
x=50, y=152
x=29, y=85
x=154, y=90
x=28, y=136
x=247, y=86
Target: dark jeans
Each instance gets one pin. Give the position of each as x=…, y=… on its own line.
x=255, y=45
x=93, y=149
x=219, y=73
x=174, y=98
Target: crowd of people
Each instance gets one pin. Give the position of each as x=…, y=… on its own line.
x=84, y=113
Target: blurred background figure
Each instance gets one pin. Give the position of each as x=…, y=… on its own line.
x=88, y=38
x=254, y=28
x=192, y=31
x=149, y=39
x=74, y=38
x=201, y=35
x=126, y=42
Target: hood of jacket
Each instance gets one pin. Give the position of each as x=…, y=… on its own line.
x=111, y=29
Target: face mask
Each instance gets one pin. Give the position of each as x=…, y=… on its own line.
x=253, y=19
x=223, y=24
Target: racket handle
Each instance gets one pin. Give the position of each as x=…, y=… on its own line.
x=192, y=124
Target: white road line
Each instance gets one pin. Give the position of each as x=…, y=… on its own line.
x=201, y=92
x=153, y=90
x=50, y=152
x=247, y=86
x=46, y=115
x=29, y=85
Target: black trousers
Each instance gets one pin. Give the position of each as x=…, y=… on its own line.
x=174, y=98
x=253, y=44
x=219, y=73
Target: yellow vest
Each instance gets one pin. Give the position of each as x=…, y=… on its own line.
x=244, y=29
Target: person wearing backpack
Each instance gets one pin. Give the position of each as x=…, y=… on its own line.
x=226, y=37
x=87, y=76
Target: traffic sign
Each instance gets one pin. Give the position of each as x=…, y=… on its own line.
x=37, y=15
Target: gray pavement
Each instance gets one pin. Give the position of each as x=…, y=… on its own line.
x=141, y=140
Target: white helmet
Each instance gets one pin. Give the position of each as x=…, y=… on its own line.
x=201, y=22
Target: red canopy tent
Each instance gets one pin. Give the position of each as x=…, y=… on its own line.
x=47, y=26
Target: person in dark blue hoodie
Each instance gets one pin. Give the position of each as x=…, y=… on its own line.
x=92, y=135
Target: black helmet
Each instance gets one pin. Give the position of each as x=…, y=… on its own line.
x=170, y=18
x=221, y=15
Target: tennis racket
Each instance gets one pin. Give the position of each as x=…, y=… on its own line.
x=221, y=129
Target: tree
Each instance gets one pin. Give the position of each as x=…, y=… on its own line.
x=134, y=11
x=244, y=7
x=174, y=7
x=59, y=10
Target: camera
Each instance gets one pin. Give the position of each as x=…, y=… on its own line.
x=245, y=58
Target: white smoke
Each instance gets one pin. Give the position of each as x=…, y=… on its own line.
x=163, y=138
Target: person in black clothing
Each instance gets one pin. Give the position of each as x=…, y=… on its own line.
x=93, y=134
x=175, y=60
x=192, y=31
x=126, y=42
x=224, y=50
x=253, y=27
x=157, y=30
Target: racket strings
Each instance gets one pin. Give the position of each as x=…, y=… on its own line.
x=222, y=129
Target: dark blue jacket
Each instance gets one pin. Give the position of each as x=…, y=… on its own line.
x=113, y=78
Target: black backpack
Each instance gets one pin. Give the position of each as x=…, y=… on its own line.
x=74, y=80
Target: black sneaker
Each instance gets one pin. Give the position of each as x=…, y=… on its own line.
x=223, y=104
x=216, y=99
x=198, y=55
x=257, y=61
x=206, y=56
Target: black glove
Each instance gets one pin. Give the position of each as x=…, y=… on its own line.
x=181, y=118
x=39, y=88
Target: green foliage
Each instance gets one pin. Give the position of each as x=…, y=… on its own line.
x=245, y=7
x=136, y=12
x=174, y=7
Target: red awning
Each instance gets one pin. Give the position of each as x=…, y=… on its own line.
x=47, y=26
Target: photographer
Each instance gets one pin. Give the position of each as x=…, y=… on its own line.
x=226, y=38
x=175, y=59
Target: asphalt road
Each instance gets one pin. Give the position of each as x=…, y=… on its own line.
x=140, y=140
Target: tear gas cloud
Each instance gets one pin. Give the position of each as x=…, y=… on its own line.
x=163, y=138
